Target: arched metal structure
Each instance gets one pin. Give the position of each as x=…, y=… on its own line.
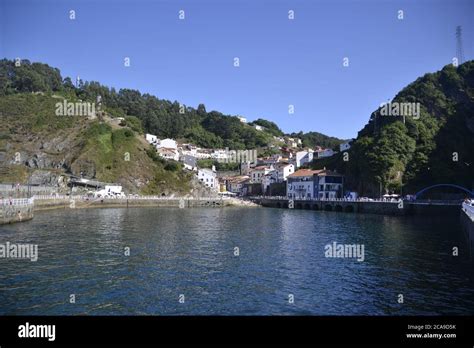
x=444, y=185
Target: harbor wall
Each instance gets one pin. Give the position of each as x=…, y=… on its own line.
x=467, y=223
x=13, y=211
x=365, y=207
x=80, y=203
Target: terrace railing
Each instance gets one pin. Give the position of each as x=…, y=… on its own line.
x=160, y=198
x=16, y=201
x=468, y=208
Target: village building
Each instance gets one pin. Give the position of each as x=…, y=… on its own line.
x=152, y=139
x=168, y=143
x=189, y=162
x=168, y=153
x=345, y=146
x=283, y=170
x=245, y=167
x=236, y=183
x=303, y=157
x=257, y=173
x=209, y=178
x=220, y=155
x=315, y=184
x=321, y=153
x=267, y=180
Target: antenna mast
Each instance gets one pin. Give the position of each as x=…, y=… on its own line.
x=459, y=48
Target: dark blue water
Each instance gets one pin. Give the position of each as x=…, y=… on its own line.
x=191, y=252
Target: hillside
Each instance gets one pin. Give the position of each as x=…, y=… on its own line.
x=161, y=117
x=437, y=146
x=35, y=142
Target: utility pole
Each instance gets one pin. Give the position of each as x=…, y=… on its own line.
x=459, y=46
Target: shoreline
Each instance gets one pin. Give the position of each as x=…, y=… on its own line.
x=20, y=210
x=79, y=203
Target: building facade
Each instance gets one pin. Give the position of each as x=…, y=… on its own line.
x=208, y=177
x=315, y=184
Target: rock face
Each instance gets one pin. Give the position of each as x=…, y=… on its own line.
x=83, y=167
x=37, y=147
x=45, y=178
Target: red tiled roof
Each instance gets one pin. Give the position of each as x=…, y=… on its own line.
x=305, y=172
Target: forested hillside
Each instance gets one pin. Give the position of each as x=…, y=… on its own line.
x=414, y=152
x=161, y=117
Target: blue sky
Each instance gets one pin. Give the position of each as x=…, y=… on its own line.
x=282, y=61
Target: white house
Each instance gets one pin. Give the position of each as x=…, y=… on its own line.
x=303, y=157
x=300, y=184
x=168, y=143
x=257, y=173
x=257, y=127
x=345, y=146
x=236, y=183
x=283, y=170
x=268, y=179
x=209, y=178
x=152, y=139
x=325, y=153
x=220, y=155
x=329, y=184
x=168, y=153
x=314, y=184
x=242, y=119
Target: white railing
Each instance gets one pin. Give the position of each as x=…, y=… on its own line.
x=16, y=201
x=327, y=199
x=130, y=198
x=468, y=208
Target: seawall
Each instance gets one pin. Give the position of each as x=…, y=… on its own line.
x=467, y=223
x=16, y=210
x=82, y=203
x=365, y=207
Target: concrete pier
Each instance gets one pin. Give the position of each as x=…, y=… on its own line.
x=467, y=223
x=365, y=207
x=16, y=210
x=79, y=202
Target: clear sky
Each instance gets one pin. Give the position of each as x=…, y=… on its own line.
x=282, y=61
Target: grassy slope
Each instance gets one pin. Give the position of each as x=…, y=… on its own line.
x=29, y=120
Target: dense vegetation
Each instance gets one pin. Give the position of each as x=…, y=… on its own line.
x=391, y=153
x=78, y=146
x=161, y=117
x=312, y=139
x=270, y=127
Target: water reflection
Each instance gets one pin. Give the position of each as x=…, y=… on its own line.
x=191, y=252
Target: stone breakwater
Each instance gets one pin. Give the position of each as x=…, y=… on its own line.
x=16, y=210
x=78, y=202
x=467, y=223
